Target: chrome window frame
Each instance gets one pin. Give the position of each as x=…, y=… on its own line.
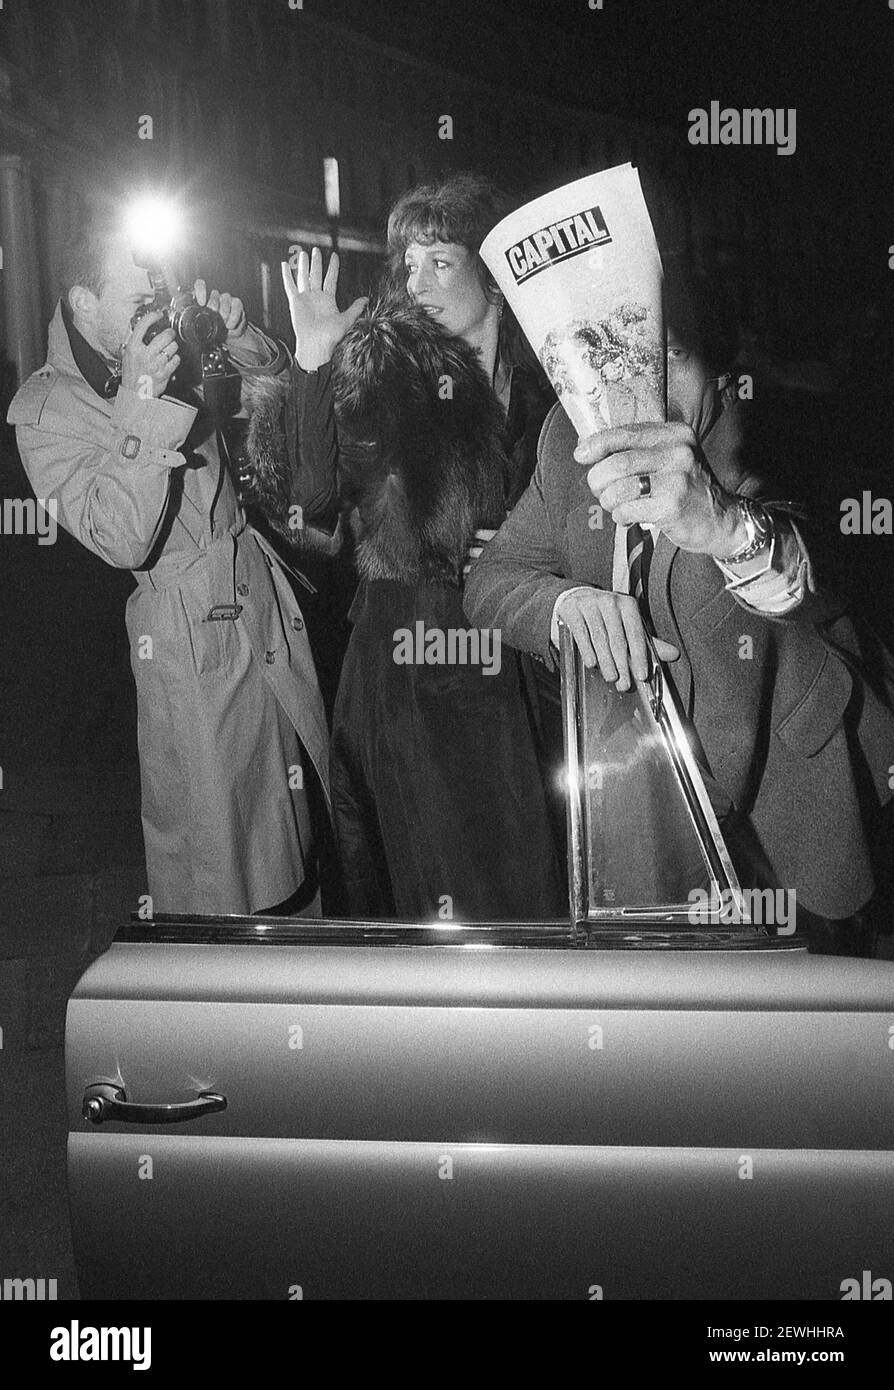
x=659, y=703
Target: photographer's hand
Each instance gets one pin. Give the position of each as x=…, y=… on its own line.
x=231, y=310
x=316, y=320
x=148, y=367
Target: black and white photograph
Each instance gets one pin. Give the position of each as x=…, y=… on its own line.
x=446, y=668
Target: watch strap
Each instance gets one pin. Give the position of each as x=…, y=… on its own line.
x=759, y=529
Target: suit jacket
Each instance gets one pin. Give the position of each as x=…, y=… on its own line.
x=798, y=736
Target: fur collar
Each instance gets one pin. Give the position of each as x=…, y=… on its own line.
x=421, y=437
x=266, y=466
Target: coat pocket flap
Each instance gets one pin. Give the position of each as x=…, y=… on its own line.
x=819, y=712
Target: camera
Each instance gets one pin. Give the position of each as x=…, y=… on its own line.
x=198, y=328
x=201, y=334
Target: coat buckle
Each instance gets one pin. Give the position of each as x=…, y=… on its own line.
x=224, y=613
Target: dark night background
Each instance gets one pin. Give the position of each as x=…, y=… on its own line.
x=247, y=98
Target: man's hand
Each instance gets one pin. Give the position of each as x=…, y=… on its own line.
x=608, y=631
x=148, y=367
x=316, y=320
x=685, y=501
x=481, y=539
x=231, y=309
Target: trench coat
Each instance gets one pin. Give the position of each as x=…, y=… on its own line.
x=796, y=742
x=230, y=722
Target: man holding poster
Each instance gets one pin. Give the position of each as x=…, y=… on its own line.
x=657, y=526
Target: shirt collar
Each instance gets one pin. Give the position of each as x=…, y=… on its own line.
x=93, y=367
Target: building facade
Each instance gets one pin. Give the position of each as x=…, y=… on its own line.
x=233, y=107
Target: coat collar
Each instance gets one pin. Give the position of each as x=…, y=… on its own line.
x=69, y=351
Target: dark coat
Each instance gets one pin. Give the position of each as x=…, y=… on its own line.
x=437, y=798
x=530, y=400
x=799, y=739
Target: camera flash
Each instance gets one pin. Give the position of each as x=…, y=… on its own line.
x=154, y=227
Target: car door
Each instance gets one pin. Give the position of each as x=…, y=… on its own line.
x=621, y=1105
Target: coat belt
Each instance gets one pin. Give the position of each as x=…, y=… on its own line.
x=154, y=580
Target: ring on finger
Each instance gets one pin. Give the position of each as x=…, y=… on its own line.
x=644, y=483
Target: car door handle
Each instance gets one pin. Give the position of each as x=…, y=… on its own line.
x=106, y=1102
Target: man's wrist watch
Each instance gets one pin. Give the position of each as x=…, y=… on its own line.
x=759, y=529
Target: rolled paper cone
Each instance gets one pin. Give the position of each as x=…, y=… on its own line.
x=581, y=271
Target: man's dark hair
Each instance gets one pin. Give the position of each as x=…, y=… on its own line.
x=85, y=258
x=699, y=310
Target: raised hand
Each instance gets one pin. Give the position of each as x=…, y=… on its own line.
x=317, y=323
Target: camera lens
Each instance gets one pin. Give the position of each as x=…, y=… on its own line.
x=200, y=326
x=155, y=328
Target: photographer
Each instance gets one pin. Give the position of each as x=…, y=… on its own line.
x=231, y=729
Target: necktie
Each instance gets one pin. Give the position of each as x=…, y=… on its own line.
x=640, y=545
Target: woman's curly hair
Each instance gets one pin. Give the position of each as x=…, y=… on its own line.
x=460, y=209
